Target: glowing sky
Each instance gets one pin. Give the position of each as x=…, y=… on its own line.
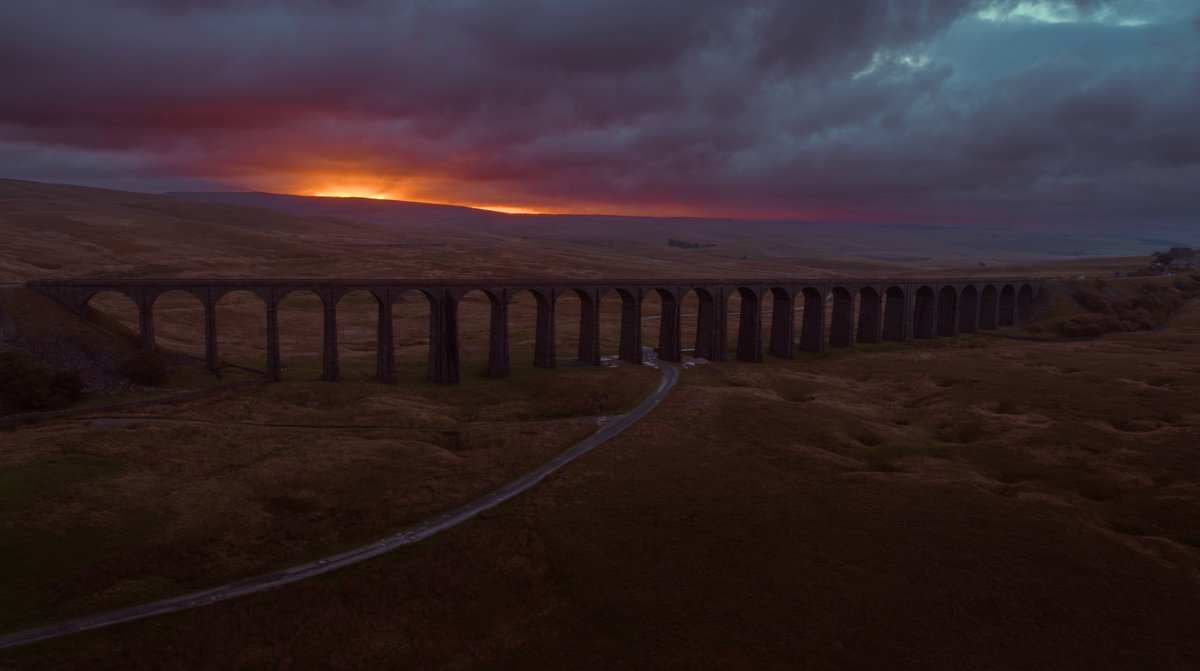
x=926, y=110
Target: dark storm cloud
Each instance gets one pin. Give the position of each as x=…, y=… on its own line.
x=1025, y=110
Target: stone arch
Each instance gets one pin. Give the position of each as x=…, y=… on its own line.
x=749, y=330
x=947, y=311
x=304, y=293
x=989, y=307
x=568, y=311
x=895, y=314
x=442, y=364
x=710, y=324
x=544, y=299
x=812, y=326
x=783, y=323
x=689, y=307
x=1024, y=304
x=870, y=315
x=968, y=309
x=612, y=310
x=628, y=335
x=629, y=346
x=360, y=334
x=181, y=294
x=841, y=325
x=179, y=321
x=925, y=313
x=670, y=326
x=240, y=334
x=588, y=348
x=482, y=334
x=412, y=311
x=86, y=299
x=1008, y=305
x=301, y=330
x=119, y=311
x=650, y=311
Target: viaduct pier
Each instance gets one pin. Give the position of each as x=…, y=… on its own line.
x=836, y=313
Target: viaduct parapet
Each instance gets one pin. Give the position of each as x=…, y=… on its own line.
x=867, y=310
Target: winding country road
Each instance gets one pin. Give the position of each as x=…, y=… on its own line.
x=430, y=527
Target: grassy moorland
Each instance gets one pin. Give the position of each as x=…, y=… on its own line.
x=105, y=511
x=976, y=502
x=1010, y=500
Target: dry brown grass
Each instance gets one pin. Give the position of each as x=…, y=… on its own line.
x=978, y=503
x=100, y=513
x=1013, y=505
x=66, y=231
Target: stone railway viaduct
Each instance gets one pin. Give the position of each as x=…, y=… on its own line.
x=863, y=310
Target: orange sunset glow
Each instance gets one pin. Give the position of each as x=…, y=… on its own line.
x=391, y=189
x=351, y=189
x=364, y=179
x=349, y=194
x=506, y=209
x=373, y=195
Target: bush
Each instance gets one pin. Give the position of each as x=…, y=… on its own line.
x=29, y=384
x=1088, y=325
x=1185, y=284
x=70, y=383
x=1145, y=311
x=146, y=368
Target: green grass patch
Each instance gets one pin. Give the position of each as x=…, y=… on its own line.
x=21, y=487
x=33, y=558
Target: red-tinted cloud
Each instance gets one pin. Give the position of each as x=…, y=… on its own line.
x=768, y=108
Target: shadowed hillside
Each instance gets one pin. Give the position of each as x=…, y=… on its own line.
x=896, y=244
x=395, y=212
x=69, y=231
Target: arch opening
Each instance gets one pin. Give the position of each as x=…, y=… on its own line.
x=412, y=318
x=532, y=327
x=689, y=321
x=568, y=312
x=612, y=310
x=358, y=337
x=895, y=315
x=1024, y=304
x=241, y=332
x=301, y=332
x=925, y=313
x=870, y=316
x=783, y=323
x=1008, y=305
x=968, y=310
x=179, y=323
x=669, y=322
x=947, y=312
x=841, y=318
x=588, y=339
x=115, y=311
x=748, y=334
x=649, y=320
x=710, y=328
x=476, y=311
x=989, y=308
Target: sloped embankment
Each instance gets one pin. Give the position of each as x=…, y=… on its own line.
x=1090, y=308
